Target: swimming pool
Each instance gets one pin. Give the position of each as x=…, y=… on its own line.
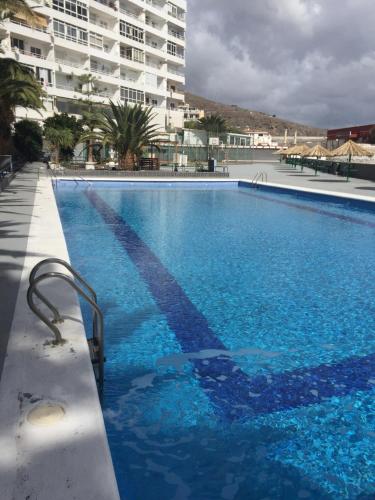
x=239, y=328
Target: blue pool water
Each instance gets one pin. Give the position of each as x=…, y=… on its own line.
x=239, y=329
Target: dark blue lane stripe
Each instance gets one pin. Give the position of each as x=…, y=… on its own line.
x=234, y=394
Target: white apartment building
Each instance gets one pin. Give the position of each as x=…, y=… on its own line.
x=135, y=49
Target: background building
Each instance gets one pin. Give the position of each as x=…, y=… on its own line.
x=135, y=49
x=191, y=114
x=360, y=133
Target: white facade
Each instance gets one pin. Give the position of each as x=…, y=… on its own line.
x=191, y=113
x=135, y=49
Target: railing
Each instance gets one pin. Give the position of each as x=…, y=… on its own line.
x=96, y=343
x=181, y=17
x=28, y=53
x=128, y=13
x=66, y=87
x=42, y=29
x=102, y=71
x=70, y=38
x=107, y=3
x=259, y=177
x=73, y=64
x=102, y=93
x=176, y=54
x=175, y=72
x=181, y=36
x=100, y=47
x=155, y=5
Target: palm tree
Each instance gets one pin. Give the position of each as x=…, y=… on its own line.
x=58, y=138
x=128, y=129
x=91, y=112
x=18, y=87
x=213, y=124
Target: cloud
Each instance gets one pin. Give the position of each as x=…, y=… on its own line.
x=307, y=60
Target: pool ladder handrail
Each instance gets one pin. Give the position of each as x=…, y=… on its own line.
x=259, y=177
x=96, y=343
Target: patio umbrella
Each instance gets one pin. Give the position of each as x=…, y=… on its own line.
x=350, y=149
x=316, y=152
x=297, y=151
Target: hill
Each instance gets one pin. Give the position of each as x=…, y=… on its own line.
x=255, y=120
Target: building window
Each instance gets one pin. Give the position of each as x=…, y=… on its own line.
x=36, y=51
x=132, y=54
x=132, y=95
x=17, y=43
x=132, y=32
x=96, y=40
x=72, y=8
x=70, y=32
x=172, y=48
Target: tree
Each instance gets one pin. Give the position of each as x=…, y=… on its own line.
x=28, y=139
x=214, y=125
x=65, y=122
x=59, y=138
x=18, y=87
x=128, y=129
x=91, y=112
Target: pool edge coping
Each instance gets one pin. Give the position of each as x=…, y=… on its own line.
x=285, y=187
x=72, y=458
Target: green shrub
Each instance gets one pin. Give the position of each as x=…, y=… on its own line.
x=28, y=139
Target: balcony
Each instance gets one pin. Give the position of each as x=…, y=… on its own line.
x=131, y=14
x=104, y=6
x=72, y=64
x=28, y=53
x=69, y=38
x=177, y=34
x=41, y=29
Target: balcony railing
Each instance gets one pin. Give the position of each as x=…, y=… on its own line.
x=28, y=53
x=102, y=93
x=176, y=54
x=108, y=3
x=176, y=15
x=175, y=72
x=42, y=29
x=100, y=47
x=73, y=64
x=128, y=13
x=65, y=86
x=154, y=5
x=64, y=36
x=176, y=34
x=102, y=71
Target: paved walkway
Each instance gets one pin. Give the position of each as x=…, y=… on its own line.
x=279, y=173
x=16, y=206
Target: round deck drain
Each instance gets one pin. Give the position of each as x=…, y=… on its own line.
x=46, y=415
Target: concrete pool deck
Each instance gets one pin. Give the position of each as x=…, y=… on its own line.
x=65, y=456
x=286, y=175
x=70, y=457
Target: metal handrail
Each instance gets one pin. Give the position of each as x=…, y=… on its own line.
x=259, y=177
x=53, y=260
x=98, y=333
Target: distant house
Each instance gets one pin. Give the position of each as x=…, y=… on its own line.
x=191, y=114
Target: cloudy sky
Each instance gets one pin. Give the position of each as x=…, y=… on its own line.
x=311, y=61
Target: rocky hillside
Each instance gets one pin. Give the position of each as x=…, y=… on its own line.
x=255, y=120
